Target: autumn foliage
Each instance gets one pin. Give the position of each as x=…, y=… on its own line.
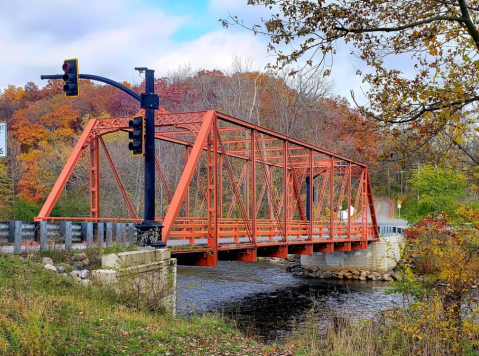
x=44, y=125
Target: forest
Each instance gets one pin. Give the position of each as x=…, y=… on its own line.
x=44, y=125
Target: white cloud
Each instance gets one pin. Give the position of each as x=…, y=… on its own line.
x=111, y=37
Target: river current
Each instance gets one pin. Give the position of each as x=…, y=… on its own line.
x=268, y=302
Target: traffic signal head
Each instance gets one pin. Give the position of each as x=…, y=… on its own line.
x=136, y=135
x=70, y=68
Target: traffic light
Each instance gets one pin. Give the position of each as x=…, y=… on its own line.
x=136, y=135
x=70, y=67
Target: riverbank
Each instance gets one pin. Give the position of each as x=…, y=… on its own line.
x=44, y=313
x=293, y=264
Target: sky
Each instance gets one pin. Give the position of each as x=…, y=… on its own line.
x=112, y=37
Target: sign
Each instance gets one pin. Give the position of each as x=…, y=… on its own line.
x=3, y=139
x=399, y=201
x=399, y=206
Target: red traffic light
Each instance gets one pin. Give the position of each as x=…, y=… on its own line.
x=70, y=77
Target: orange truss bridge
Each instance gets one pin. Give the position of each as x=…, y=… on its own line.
x=243, y=192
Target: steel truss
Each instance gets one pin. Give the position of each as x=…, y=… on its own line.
x=263, y=193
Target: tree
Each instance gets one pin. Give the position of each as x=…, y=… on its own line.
x=438, y=187
x=446, y=253
x=437, y=39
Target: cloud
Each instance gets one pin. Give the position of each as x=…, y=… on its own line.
x=111, y=37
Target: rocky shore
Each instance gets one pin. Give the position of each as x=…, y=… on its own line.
x=293, y=265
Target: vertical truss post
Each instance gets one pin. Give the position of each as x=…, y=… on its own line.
x=285, y=190
x=220, y=186
x=372, y=210
x=349, y=200
x=364, y=206
x=309, y=195
x=187, y=202
x=94, y=179
x=248, y=170
x=212, y=191
x=331, y=198
x=253, y=181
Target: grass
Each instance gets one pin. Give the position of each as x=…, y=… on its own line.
x=42, y=313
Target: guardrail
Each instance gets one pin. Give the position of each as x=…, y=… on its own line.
x=390, y=230
x=64, y=233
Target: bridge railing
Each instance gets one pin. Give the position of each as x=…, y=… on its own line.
x=268, y=231
x=17, y=236
x=390, y=230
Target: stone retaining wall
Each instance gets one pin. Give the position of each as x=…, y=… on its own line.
x=379, y=257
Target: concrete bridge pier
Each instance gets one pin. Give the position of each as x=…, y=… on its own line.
x=380, y=256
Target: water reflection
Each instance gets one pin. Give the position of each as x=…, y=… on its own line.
x=266, y=300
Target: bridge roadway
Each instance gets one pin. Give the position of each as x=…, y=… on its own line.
x=297, y=242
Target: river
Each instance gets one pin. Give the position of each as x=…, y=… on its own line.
x=269, y=302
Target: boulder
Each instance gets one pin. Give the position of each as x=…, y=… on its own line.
x=348, y=275
x=83, y=274
x=85, y=282
x=81, y=256
x=356, y=273
x=85, y=261
x=74, y=274
x=61, y=269
x=78, y=265
x=47, y=261
x=362, y=278
x=396, y=275
x=50, y=267
x=363, y=274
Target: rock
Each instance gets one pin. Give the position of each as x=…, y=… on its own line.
x=396, y=275
x=78, y=265
x=339, y=276
x=363, y=274
x=74, y=274
x=355, y=277
x=63, y=274
x=348, y=275
x=77, y=279
x=376, y=274
x=356, y=273
x=47, y=261
x=85, y=262
x=50, y=267
x=386, y=277
x=81, y=256
x=85, y=282
x=371, y=276
x=362, y=278
x=83, y=274
x=61, y=269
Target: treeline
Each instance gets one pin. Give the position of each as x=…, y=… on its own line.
x=44, y=126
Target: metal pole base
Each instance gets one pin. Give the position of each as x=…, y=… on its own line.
x=149, y=231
